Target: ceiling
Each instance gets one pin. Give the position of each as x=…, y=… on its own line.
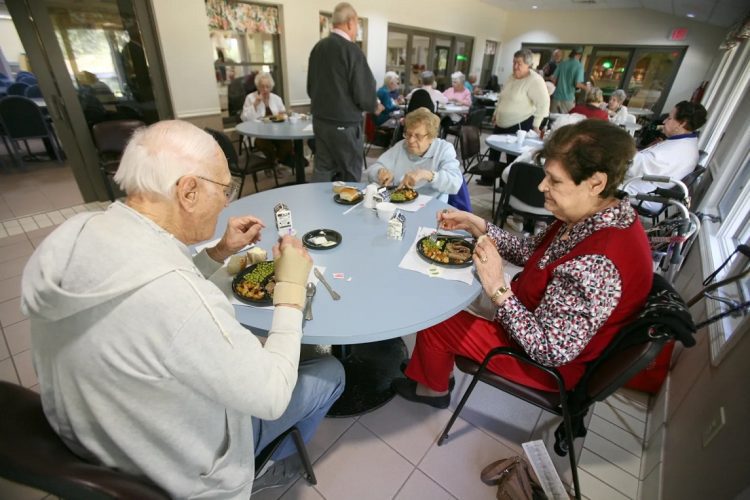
x=717, y=12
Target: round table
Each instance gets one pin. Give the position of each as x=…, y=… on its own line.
x=639, y=112
x=296, y=131
x=379, y=301
x=451, y=109
x=498, y=143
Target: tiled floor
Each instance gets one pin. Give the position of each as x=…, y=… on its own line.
x=389, y=453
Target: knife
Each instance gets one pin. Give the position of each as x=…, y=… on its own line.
x=319, y=275
x=310, y=292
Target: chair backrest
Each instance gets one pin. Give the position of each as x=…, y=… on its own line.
x=475, y=117
x=630, y=119
x=227, y=147
x=470, y=142
x=32, y=454
x=33, y=91
x=462, y=199
x=112, y=137
x=17, y=88
x=22, y=118
x=420, y=99
x=523, y=184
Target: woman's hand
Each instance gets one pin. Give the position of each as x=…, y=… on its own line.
x=412, y=177
x=456, y=219
x=489, y=265
x=385, y=177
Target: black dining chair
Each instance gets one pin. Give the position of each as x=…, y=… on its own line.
x=22, y=120
x=474, y=162
x=253, y=162
x=110, y=139
x=33, y=91
x=17, y=88
x=521, y=196
x=664, y=317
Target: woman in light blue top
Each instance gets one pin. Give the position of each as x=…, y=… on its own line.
x=421, y=160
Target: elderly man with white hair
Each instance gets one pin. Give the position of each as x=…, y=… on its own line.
x=341, y=86
x=142, y=365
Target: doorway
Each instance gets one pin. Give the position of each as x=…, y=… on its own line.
x=94, y=62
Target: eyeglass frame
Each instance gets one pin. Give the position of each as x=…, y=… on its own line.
x=418, y=137
x=233, y=187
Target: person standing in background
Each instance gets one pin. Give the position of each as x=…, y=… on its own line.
x=341, y=86
x=567, y=78
x=549, y=69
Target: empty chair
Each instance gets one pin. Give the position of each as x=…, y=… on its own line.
x=665, y=317
x=521, y=196
x=17, y=88
x=253, y=162
x=474, y=118
x=33, y=91
x=22, y=120
x=473, y=161
x=32, y=454
x=110, y=139
x=420, y=98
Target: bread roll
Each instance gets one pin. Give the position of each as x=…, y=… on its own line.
x=349, y=194
x=255, y=255
x=236, y=264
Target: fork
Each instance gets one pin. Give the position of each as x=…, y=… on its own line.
x=319, y=275
x=434, y=235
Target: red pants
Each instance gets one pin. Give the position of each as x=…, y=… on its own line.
x=471, y=337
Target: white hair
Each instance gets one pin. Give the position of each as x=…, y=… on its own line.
x=389, y=77
x=157, y=156
x=264, y=76
x=620, y=95
x=458, y=77
x=343, y=13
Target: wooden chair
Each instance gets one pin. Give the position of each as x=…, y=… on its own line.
x=664, y=317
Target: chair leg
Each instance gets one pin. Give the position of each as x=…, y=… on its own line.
x=304, y=457
x=571, y=450
x=460, y=407
x=110, y=191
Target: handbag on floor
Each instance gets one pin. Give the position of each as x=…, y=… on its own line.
x=514, y=478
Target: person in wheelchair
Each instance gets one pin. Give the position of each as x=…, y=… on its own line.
x=583, y=278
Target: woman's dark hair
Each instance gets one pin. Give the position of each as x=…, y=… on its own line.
x=692, y=115
x=591, y=146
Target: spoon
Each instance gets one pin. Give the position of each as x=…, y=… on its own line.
x=309, y=293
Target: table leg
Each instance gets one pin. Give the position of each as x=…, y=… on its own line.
x=299, y=160
x=370, y=368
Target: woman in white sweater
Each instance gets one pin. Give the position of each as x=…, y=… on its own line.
x=260, y=104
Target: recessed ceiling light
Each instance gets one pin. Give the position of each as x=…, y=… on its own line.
x=534, y=7
x=690, y=15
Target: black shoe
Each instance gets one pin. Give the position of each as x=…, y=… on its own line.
x=280, y=473
x=407, y=389
x=485, y=182
x=451, y=381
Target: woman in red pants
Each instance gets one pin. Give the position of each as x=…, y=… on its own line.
x=583, y=279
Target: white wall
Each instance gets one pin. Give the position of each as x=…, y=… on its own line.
x=618, y=27
x=9, y=41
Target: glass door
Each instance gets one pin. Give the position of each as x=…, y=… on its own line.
x=95, y=62
x=651, y=76
x=462, y=55
x=488, y=62
x=396, y=55
x=419, y=57
x=607, y=68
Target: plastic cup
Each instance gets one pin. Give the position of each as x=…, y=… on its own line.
x=520, y=136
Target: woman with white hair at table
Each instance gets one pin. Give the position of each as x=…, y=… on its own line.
x=618, y=112
x=260, y=104
x=459, y=95
x=391, y=82
x=421, y=160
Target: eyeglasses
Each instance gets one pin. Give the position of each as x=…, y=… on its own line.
x=231, y=190
x=418, y=137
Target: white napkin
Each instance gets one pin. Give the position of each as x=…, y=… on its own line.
x=308, y=128
x=413, y=262
x=414, y=205
x=223, y=280
x=502, y=138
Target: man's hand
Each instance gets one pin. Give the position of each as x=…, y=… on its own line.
x=385, y=177
x=292, y=267
x=412, y=177
x=240, y=232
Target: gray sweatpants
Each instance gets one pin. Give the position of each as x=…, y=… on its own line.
x=338, y=152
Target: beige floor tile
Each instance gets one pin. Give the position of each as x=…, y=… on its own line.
x=15, y=491
x=595, y=489
x=67, y=212
x=616, y=434
x=601, y=468
x=10, y=312
x=5, y=211
x=14, y=231
x=329, y=431
x=13, y=267
x=421, y=487
x=28, y=224
x=4, y=351
x=618, y=417
x=41, y=232
x=56, y=217
x=18, y=336
x=632, y=407
x=652, y=452
x=301, y=490
x=21, y=248
x=3, y=232
x=11, y=240
x=25, y=366
x=361, y=466
x=10, y=288
x=27, y=202
x=8, y=372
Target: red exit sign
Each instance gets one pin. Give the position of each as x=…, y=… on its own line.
x=678, y=34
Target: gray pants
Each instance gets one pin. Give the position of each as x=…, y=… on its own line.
x=338, y=152
x=561, y=106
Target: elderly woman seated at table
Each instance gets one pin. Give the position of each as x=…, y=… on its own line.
x=617, y=111
x=421, y=160
x=457, y=94
x=260, y=104
x=593, y=107
x=583, y=279
x=391, y=82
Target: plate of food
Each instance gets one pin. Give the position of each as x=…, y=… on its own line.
x=403, y=195
x=322, y=239
x=348, y=196
x=254, y=285
x=448, y=251
x=277, y=118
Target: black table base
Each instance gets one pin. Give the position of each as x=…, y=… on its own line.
x=370, y=368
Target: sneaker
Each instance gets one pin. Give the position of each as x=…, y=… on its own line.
x=280, y=473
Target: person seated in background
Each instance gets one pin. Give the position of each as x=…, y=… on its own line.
x=674, y=157
x=421, y=160
x=263, y=103
x=593, y=106
x=471, y=83
x=427, y=80
x=583, y=279
x=100, y=90
x=142, y=365
x=616, y=109
x=390, y=82
x=459, y=95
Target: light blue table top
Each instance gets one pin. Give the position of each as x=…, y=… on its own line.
x=282, y=130
x=497, y=143
x=382, y=301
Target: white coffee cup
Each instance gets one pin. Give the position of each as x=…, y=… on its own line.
x=370, y=191
x=293, y=118
x=520, y=136
x=385, y=209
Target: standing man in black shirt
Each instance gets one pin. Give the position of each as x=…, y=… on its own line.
x=341, y=86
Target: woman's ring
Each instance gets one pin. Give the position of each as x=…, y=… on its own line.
x=483, y=259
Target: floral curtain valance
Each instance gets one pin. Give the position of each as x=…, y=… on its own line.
x=242, y=17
